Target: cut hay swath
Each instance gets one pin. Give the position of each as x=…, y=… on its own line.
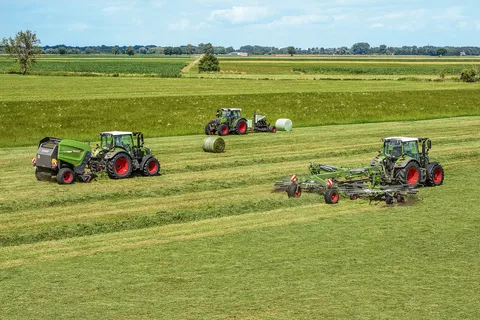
x=214, y=144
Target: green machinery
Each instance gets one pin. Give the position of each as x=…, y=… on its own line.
x=230, y=120
x=119, y=153
x=401, y=167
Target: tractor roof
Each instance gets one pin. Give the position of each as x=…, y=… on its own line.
x=231, y=109
x=116, y=133
x=403, y=139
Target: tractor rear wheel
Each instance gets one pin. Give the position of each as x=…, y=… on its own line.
x=223, y=130
x=410, y=175
x=120, y=166
x=241, y=127
x=331, y=196
x=65, y=176
x=435, y=175
x=151, y=167
x=294, y=191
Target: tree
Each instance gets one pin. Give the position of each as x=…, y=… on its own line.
x=130, y=51
x=468, y=75
x=291, y=51
x=62, y=50
x=208, y=49
x=441, y=51
x=116, y=50
x=208, y=63
x=189, y=49
x=23, y=48
x=361, y=48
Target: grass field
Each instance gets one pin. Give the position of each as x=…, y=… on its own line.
x=78, y=107
x=209, y=239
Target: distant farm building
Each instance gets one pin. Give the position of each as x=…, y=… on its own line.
x=236, y=53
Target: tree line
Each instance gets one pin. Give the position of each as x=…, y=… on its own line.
x=360, y=48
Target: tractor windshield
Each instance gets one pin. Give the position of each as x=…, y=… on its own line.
x=106, y=141
x=123, y=141
x=393, y=148
x=411, y=148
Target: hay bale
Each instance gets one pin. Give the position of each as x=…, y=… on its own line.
x=214, y=144
x=284, y=124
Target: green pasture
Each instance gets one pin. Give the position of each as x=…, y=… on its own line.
x=209, y=239
x=79, y=108
x=94, y=66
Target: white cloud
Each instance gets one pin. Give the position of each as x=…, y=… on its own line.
x=463, y=24
x=298, y=20
x=377, y=26
x=116, y=9
x=185, y=24
x=77, y=26
x=238, y=15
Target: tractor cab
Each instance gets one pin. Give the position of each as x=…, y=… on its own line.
x=401, y=148
x=132, y=142
x=226, y=115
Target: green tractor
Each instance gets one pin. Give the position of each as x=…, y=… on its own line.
x=64, y=159
x=121, y=153
x=228, y=120
x=405, y=160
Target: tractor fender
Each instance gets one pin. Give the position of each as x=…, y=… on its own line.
x=404, y=163
x=235, y=123
x=110, y=155
x=145, y=159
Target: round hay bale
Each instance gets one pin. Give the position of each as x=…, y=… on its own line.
x=214, y=144
x=284, y=124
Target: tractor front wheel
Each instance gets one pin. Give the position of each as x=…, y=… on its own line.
x=435, y=175
x=410, y=175
x=151, y=167
x=241, y=127
x=294, y=191
x=223, y=130
x=65, y=176
x=331, y=196
x=209, y=130
x=120, y=166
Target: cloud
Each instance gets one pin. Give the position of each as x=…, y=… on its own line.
x=239, y=15
x=377, y=26
x=463, y=24
x=185, y=24
x=77, y=26
x=116, y=9
x=299, y=20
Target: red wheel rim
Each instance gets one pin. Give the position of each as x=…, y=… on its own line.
x=152, y=167
x=334, y=197
x=121, y=166
x=274, y=130
x=242, y=127
x=412, y=176
x=225, y=130
x=67, y=177
x=437, y=175
x=298, y=193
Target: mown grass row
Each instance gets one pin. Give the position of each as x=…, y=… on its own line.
x=26, y=122
x=390, y=70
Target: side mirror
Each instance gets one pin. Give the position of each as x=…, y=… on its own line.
x=429, y=144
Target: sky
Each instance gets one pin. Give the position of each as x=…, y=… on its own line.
x=278, y=23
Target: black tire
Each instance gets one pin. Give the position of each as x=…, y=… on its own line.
x=410, y=175
x=354, y=196
x=42, y=175
x=273, y=129
x=241, y=127
x=435, y=175
x=294, y=191
x=208, y=131
x=65, y=176
x=120, y=166
x=223, y=130
x=389, y=199
x=151, y=167
x=331, y=196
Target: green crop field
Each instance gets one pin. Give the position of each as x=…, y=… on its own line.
x=159, y=67
x=210, y=238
